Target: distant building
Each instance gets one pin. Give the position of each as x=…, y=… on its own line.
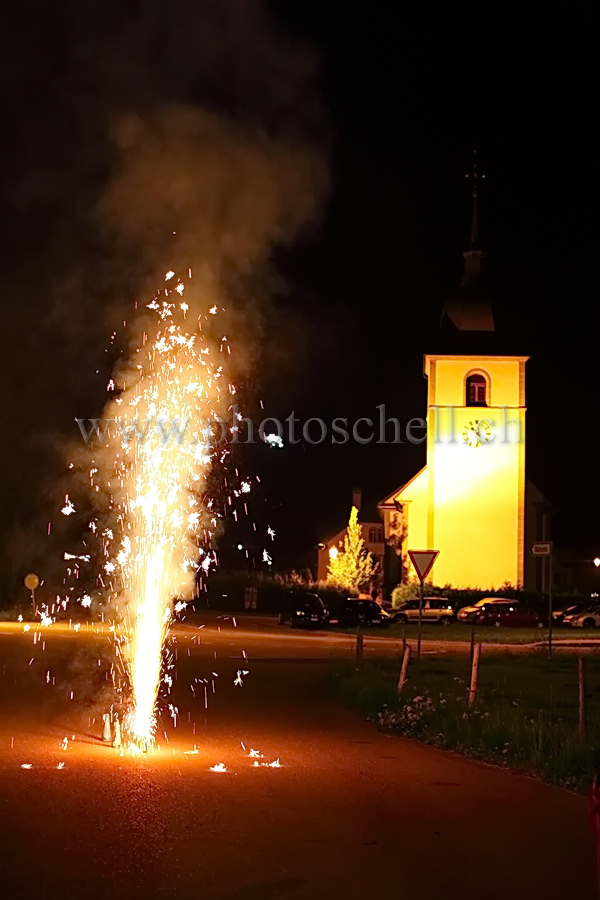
x=372, y=532
x=471, y=500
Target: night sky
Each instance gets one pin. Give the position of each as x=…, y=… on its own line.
x=408, y=105
x=359, y=294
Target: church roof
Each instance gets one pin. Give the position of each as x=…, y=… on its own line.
x=390, y=501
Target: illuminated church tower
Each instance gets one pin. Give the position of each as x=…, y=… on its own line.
x=468, y=502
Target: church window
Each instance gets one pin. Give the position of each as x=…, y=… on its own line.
x=476, y=391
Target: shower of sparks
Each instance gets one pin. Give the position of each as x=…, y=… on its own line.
x=155, y=469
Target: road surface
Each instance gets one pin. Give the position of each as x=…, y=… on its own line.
x=349, y=813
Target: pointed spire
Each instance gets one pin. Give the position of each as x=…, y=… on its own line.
x=474, y=177
x=470, y=309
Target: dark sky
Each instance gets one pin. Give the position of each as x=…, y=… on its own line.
x=408, y=104
x=406, y=101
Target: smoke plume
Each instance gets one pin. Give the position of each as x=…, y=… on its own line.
x=146, y=136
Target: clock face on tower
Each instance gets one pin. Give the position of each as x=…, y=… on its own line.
x=477, y=432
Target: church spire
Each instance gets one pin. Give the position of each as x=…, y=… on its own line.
x=470, y=310
x=473, y=177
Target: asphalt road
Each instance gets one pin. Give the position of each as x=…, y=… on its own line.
x=350, y=812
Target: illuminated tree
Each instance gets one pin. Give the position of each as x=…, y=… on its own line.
x=351, y=567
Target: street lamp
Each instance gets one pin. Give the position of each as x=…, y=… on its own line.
x=597, y=561
x=333, y=552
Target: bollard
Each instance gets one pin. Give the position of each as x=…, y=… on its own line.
x=404, y=670
x=106, y=729
x=474, y=674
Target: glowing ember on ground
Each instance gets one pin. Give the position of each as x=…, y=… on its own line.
x=272, y=765
x=219, y=767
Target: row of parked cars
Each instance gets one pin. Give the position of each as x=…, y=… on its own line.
x=307, y=610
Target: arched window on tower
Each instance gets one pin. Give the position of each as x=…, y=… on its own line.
x=476, y=391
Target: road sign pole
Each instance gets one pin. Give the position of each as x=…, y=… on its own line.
x=544, y=548
x=422, y=561
x=420, y=620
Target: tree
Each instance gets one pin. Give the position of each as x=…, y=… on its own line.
x=351, y=567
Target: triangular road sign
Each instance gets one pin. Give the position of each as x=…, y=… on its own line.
x=423, y=560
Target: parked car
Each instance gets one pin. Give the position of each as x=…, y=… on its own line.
x=435, y=609
x=469, y=613
x=303, y=610
x=589, y=618
x=509, y=615
x=353, y=613
x=565, y=616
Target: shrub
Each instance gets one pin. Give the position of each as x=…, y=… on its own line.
x=226, y=590
x=410, y=591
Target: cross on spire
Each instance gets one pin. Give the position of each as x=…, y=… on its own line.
x=474, y=176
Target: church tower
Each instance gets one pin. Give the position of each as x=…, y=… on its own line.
x=469, y=500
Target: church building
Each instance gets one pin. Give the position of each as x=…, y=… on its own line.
x=471, y=500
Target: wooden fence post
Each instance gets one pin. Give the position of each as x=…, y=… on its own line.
x=474, y=674
x=359, y=647
x=582, y=704
x=404, y=668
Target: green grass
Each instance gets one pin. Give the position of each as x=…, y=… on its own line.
x=525, y=716
x=486, y=635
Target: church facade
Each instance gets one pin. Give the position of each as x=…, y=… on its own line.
x=468, y=502
x=471, y=501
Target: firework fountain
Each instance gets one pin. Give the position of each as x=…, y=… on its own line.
x=157, y=457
